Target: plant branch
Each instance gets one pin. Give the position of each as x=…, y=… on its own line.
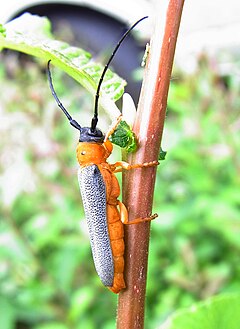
x=139, y=184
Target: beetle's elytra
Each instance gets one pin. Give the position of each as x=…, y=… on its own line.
x=100, y=190
x=93, y=191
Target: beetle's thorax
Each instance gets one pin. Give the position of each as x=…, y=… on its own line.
x=93, y=153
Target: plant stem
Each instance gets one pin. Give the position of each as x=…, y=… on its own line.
x=139, y=184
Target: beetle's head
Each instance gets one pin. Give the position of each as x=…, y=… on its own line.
x=87, y=135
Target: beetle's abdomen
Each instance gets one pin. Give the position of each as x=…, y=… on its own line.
x=116, y=233
x=115, y=227
x=93, y=191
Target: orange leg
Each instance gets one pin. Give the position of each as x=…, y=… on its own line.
x=124, y=216
x=113, y=128
x=127, y=166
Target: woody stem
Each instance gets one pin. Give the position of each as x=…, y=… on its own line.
x=139, y=183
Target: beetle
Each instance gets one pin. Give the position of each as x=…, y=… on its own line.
x=100, y=190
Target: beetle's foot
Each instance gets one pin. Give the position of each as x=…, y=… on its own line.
x=142, y=220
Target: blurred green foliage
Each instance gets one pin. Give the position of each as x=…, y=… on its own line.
x=47, y=277
x=218, y=312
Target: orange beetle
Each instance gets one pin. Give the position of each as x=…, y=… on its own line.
x=105, y=214
x=100, y=190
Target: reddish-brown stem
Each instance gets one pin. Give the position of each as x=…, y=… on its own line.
x=139, y=185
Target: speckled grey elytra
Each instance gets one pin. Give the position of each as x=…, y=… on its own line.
x=93, y=193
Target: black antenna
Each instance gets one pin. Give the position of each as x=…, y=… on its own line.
x=73, y=122
x=95, y=117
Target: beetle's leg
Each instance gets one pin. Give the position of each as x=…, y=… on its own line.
x=124, y=216
x=113, y=127
x=127, y=166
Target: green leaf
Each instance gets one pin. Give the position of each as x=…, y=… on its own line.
x=221, y=312
x=124, y=137
x=2, y=30
x=31, y=35
x=162, y=155
x=8, y=314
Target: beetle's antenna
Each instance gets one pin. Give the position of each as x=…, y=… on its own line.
x=95, y=117
x=73, y=122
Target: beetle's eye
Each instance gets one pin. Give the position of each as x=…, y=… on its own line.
x=83, y=152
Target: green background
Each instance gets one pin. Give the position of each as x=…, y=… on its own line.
x=47, y=277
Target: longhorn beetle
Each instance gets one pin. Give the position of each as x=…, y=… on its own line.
x=100, y=190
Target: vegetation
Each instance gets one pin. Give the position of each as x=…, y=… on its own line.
x=47, y=278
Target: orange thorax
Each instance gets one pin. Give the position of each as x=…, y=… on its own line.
x=93, y=153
